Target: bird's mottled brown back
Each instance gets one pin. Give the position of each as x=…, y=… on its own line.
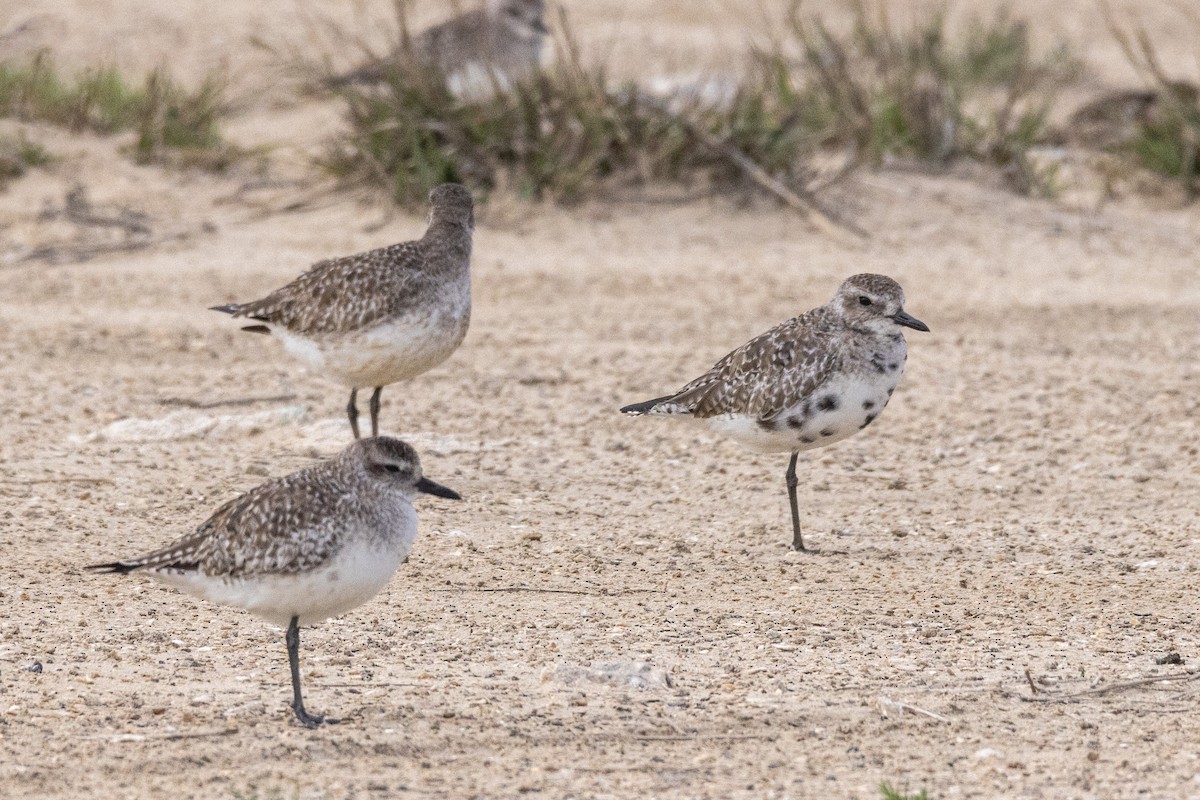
x=353, y=293
x=281, y=527
x=350, y=293
x=768, y=374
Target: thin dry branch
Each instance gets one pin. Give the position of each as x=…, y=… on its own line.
x=841, y=231
x=540, y=590
x=1100, y=691
x=163, y=737
x=236, y=402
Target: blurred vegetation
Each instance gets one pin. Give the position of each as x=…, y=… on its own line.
x=18, y=155
x=557, y=136
x=889, y=793
x=1166, y=136
x=921, y=94
x=875, y=93
x=173, y=125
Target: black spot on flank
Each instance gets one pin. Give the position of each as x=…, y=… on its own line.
x=868, y=405
x=892, y=367
x=891, y=390
x=870, y=418
x=828, y=403
x=828, y=432
x=807, y=439
x=806, y=409
x=795, y=422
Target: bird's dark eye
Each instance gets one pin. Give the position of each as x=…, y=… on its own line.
x=863, y=300
x=392, y=468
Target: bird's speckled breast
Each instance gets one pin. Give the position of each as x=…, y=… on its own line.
x=845, y=404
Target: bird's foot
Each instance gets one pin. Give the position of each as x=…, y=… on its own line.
x=311, y=721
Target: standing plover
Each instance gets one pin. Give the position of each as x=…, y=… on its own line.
x=379, y=317
x=303, y=548
x=491, y=47
x=807, y=382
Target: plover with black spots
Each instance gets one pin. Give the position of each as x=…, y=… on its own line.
x=379, y=317
x=807, y=382
x=477, y=52
x=300, y=549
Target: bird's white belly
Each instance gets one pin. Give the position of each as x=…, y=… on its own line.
x=387, y=353
x=837, y=410
x=352, y=576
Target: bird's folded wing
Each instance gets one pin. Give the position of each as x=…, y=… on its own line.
x=764, y=377
x=345, y=294
x=281, y=527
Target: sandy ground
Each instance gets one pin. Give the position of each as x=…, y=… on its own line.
x=612, y=610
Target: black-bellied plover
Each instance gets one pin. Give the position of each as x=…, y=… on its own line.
x=379, y=317
x=305, y=547
x=808, y=382
x=477, y=52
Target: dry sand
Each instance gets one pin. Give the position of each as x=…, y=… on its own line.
x=1008, y=550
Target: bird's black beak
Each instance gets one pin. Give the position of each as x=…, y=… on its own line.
x=909, y=321
x=429, y=487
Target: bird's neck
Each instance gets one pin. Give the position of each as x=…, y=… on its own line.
x=449, y=236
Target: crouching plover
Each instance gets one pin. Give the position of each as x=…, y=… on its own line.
x=477, y=52
x=807, y=382
x=299, y=549
x=379, y=317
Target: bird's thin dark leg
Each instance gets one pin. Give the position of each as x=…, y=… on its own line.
x=375, y=410
x=352, y=412
x=293, y=647
x=797, y=539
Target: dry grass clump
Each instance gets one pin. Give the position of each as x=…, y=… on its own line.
x=18, y=155
x=559, y=136
x=879, y=92
x=1166, y=133
x=922, y=93
x=172, y=124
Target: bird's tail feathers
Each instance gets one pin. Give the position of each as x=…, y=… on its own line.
x=646, y=406
x=115, y=568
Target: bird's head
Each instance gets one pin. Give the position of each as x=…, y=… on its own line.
x=874, y=302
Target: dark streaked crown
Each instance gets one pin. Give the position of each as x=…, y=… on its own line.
x=451, y=202
x=381, y=451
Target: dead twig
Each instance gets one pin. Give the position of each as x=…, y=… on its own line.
x=1032, y=686
x=539, y=590
x=843, y=232
x=29, y=481
x=1120, y=687
x=887, y=704
x=700, y=737
x=163, y=737
x=78, y=208
x=238, y=402
x=1100, y=691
